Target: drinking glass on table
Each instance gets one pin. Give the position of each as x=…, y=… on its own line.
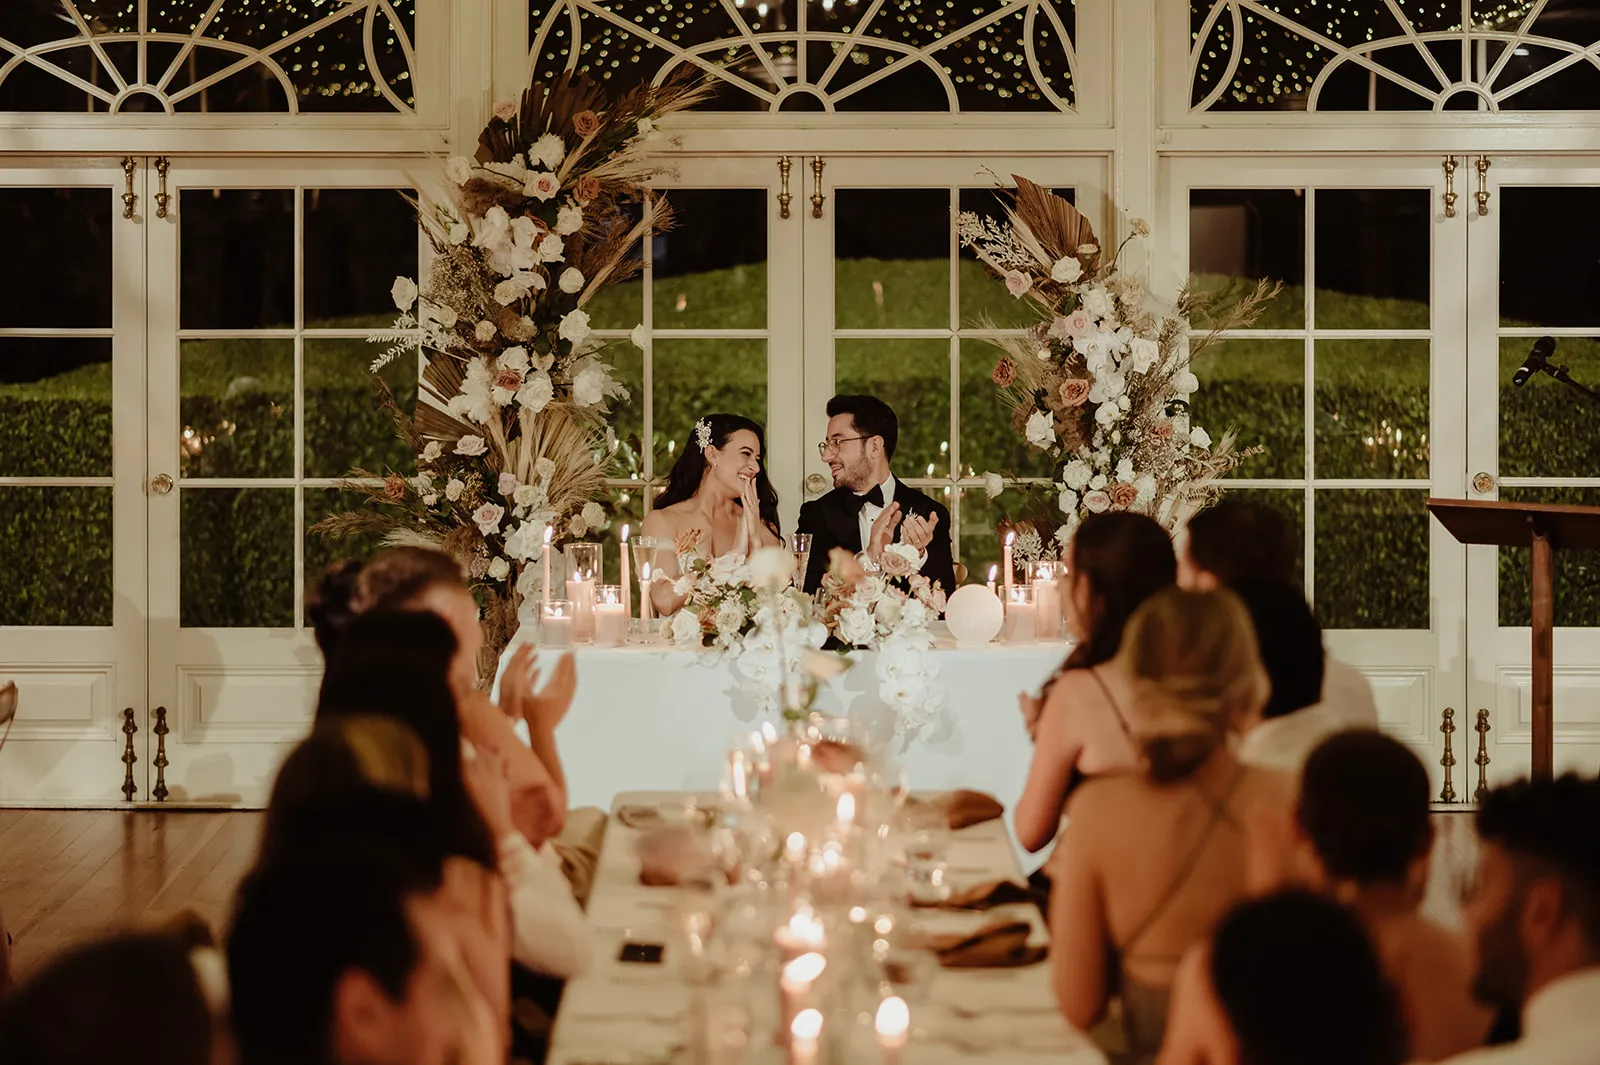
x=800, y=545
x=925, y=832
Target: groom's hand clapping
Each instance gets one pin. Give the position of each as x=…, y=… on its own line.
x=918, y=531
x=883, y=528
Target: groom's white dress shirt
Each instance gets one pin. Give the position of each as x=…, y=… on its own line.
x=1560, y=1026
x=870, y=511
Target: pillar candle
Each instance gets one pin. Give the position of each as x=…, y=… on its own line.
x=994, y=571
x=549, y=534
x=1005, y=564
x=581, y=592
x=893, y=1023
x=610, y=624
x=1047, y=607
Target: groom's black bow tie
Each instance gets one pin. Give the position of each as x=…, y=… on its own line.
x=875, y=497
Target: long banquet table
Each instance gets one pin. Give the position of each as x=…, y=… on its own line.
x=657, y=718
x=629, y=1014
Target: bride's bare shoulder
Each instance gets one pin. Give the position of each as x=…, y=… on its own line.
x=666, y=521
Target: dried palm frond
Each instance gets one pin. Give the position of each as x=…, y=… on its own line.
x=557, y=435
x=1056, y=224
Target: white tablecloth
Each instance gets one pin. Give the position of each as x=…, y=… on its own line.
x=622, y=1013
x=659, y=719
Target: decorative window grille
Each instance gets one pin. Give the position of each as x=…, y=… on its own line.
x=1394, y=55
x=825, y=55
x=208, y=56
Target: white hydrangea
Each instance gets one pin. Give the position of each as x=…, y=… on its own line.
x=1097, y=303
x=549, y=149
x=1076, y=474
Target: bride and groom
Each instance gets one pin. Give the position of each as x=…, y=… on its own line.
x=719, y=500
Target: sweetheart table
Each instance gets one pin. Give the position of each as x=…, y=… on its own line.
x=656, y=718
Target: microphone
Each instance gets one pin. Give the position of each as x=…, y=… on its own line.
x=1542, y=350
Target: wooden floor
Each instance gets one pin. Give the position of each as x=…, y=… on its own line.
x=68, y=875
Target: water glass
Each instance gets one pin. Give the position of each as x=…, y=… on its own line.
x=927, y=853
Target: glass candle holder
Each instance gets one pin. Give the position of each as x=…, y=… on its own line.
x=1020, y=614
x=1046, y=582
x=583, y=573
x=556, y=622
x=610, y=616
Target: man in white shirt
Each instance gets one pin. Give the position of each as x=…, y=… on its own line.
x=1235, y=542
x=1535, y=913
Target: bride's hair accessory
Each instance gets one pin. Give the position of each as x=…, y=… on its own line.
x=702, y=433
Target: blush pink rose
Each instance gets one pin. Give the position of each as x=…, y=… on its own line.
x=1096, y=502
x=1124, y=495
x=1018, y=283
x=505, y=110
x=1079, y=324
x=1074, y=392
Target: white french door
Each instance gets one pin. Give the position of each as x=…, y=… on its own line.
x=72, y=514
x=1354, y=383
x=895, y=307
x=1532, y=274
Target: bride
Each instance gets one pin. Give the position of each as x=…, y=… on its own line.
x=718, y=502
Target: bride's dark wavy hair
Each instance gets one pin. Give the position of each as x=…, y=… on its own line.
x=690, y=469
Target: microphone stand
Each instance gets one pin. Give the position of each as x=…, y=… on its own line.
x=1560, y=374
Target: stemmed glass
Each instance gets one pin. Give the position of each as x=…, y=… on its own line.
x=800, y=544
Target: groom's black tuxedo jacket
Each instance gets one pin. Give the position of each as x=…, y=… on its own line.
x=835, y=521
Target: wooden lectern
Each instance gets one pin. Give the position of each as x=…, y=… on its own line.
x=1545, y=527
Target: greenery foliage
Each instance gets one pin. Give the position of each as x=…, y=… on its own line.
x=238, y=546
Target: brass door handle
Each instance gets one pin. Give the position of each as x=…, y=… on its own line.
x=1483, y=483
x=161, y=484
x=785, y=197
x=817, y=198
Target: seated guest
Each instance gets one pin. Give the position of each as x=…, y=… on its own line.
x=1292, y=723
x=868, y=509
x=396, y=665
x=349, y=960
x=1147, y=862
x=1289, y=979
x=1535, y=913
x=1079, y=722
x=416, y=578
x=1234, y=542
x=138, y=997
x=1363, y=816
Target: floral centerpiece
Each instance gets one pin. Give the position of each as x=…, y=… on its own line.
x=510, y=430
x=889, y=606
x=1102, y=381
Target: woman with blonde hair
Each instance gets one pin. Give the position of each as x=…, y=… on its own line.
x=1148, y=862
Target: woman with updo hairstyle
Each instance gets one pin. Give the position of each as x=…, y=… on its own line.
x=718, y=502
x=422, y=579
x=1148, y=861
x=1079, y=721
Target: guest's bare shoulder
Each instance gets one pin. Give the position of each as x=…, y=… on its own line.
x=1107, y=795
x=1270, y=788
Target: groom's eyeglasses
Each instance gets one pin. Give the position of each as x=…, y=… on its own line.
x=834, y=443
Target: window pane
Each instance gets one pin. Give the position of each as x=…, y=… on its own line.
x=710, y=268
x=1547, y=429
x=57, y=549
x=1372, y=559
x=892, y=258
x=323, y=551
x=1258, y=388
x=1240, y=236
x=236, y=558
x=57, y=268
x=980, y=519
x=1372, y=408
x=357, y=241
x=913, y=377
x=1577, y=573
x=991, y=432
x=236, y=402
x=1549, y=274
x=694, y=378
x=345, y=427
x=55, y=405
x=1374, y=258
x=236, y=258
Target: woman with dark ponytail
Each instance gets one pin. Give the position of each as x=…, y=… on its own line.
x=719, y=501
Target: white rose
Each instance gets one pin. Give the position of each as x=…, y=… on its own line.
x=487, y=518
x=1142, y=356
x=1067, y=501
x=1147, y=489
x=913, y=557
x=569, y=220
x=404, y=293
x=1097, y=482
x=577, y=526
x=536, y=392
x=855, y=625
x=594, y=514
x=471, y=445
x=1042, y=429
x=1199, y=437
x=914, y=614
x=1125, y=470
x=870, y=589
x=771, y=568
x=527, y=543
x=887, y=616
x=1097, y=502
x=453, y=489
x=1076, y=474
x=431, y=451
x=515, y=359
x=550, y=149
x=541, y=185
x=431, y=499
x=495, y=228
x=1066, y=270
x=458, y=169
x=589, y=384
x=499, y=569
x=685, y=629
x=459, y=232
x=640, y=337
x=445, y=316
x=571, y=280
x=1096, y=302
x=528, y=495
x=484, y=331
x=574, y=327
x=551, y=249
x=994, y=484
x=544, y=468
x=1185, y=383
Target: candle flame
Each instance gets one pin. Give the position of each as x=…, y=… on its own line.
x=807, y=1026
x=795, y=846
x=994, y=571
x=847, y=808
x=1011, y=537
x=549, y=533
x=625, y=534
x=805, y=969
x=894, y=1018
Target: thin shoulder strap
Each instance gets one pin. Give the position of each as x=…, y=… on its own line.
x=1094, y=671
x=1219, y=814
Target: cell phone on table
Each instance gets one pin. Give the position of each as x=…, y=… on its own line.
x=641, y=953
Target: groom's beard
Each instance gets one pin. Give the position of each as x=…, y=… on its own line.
x=856, y=476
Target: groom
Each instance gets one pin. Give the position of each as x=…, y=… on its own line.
x=867, y=500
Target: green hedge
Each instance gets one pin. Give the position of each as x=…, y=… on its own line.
x=237, y=551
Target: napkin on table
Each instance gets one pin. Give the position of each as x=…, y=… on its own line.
x=984, y=896
x=997, y=945
x=965, y=808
